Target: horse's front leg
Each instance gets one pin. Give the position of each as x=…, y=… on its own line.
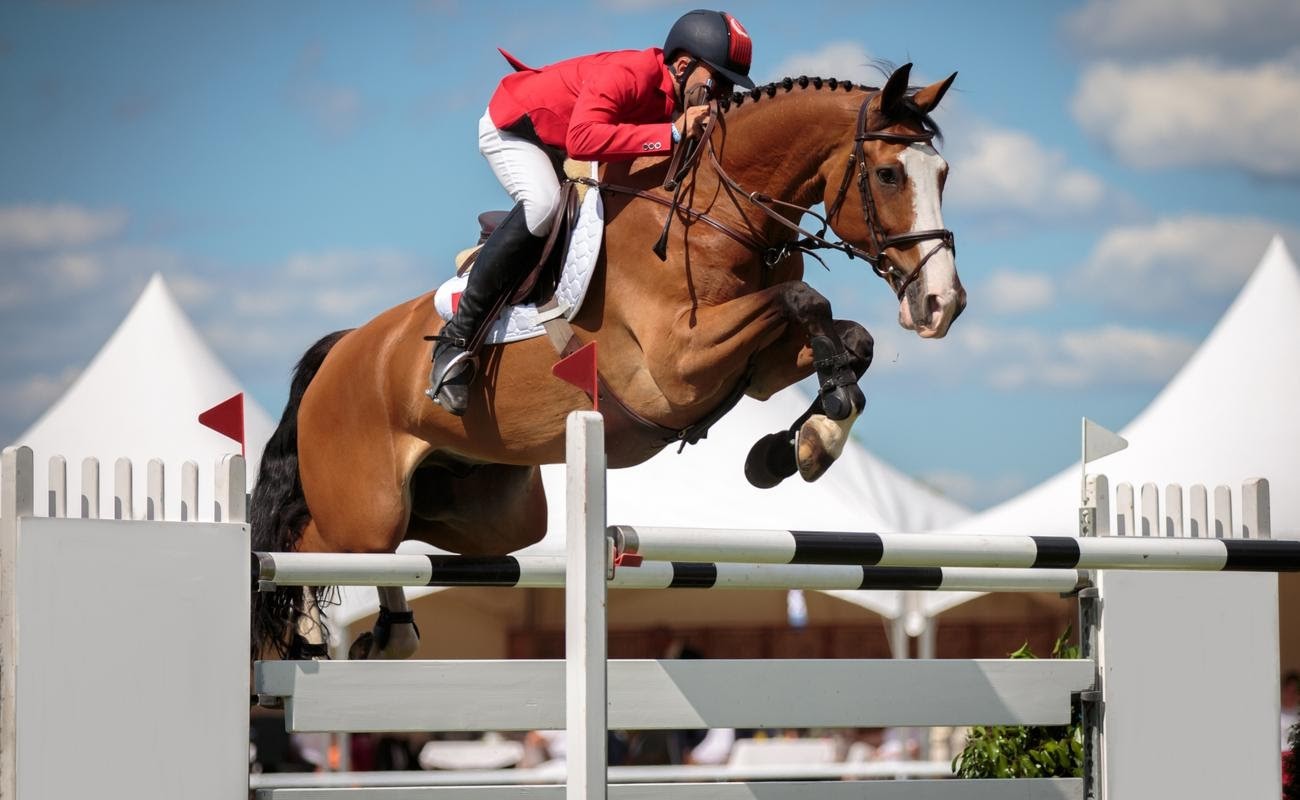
x=780, y=334
x=817, y=437
x=709, y=345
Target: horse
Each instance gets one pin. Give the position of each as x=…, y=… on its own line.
x=361, y=459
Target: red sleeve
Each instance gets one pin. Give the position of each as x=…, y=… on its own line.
x=596, y=130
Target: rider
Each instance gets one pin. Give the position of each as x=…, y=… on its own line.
x=604, y=107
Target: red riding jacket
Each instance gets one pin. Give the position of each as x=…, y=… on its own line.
x=603, y=107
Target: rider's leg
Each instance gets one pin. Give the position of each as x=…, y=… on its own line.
x=527, y=173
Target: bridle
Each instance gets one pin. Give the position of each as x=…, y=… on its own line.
x=805, y=241
x=883, y=265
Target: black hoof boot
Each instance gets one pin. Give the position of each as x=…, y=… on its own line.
x=840, y=402
x=302, y=650
x=839, y=390
x=771, y=460
x=449, y=380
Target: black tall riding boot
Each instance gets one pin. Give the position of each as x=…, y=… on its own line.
x=506, y=256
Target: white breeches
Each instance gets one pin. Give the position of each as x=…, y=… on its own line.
x=526, y=172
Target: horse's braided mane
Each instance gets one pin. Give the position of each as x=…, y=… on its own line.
x=788, y=84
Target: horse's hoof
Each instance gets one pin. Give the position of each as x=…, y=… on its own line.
x=360, y=649
x=819, y=442
x=402, y=643
x=387, y=641
x=770, y=460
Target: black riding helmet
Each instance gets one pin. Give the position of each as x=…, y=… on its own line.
x=716, y=38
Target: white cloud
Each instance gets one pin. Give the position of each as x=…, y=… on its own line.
x=350, y=302
x=1112, y=355
x=76, y=270
x=345, y=286
x=1175, y=262
x=33, y=227
x=846, y=60
x=333, y=265
x=255, y=341
x=35, y=280
x=997, y=170
x=15, y=291
x=1011, y=292
x=27, y=397
x=1195, y=113
x=192, y=290
x=1161, y=27
x=1015, y=358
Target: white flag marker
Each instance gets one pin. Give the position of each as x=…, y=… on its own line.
x=1099, y=442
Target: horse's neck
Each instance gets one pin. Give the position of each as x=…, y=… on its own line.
x=778, y=145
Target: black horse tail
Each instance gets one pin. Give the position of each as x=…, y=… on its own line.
x=278, y=512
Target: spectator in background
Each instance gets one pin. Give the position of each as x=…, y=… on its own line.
x=681, y=743
x=1290, y=703
x=714, y=748
x=881, y=744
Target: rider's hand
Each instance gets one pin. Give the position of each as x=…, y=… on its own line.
x=693, y=121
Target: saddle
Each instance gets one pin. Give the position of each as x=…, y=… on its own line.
x=556, y=285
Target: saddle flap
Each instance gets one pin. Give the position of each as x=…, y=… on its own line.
x=521, y=321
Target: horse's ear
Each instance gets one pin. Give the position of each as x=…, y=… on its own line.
x=929, y=97
x=895, y=90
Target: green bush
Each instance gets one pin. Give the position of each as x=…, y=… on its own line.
x=1005, y=751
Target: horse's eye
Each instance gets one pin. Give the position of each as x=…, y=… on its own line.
x=887, y=176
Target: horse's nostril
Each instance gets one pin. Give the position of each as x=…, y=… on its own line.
x=961, y=304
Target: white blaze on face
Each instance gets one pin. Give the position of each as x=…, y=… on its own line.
x=923, y=166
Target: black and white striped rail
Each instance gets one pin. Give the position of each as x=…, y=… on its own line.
x=949, y=550
x=547, y=572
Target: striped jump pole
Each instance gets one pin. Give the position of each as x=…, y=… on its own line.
x=950, y=550
x=271, y=570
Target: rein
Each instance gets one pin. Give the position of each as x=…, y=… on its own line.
x=805, y=241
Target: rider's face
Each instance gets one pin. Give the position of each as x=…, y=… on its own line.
x=702, y=75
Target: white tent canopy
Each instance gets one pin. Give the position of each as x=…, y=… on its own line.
x=140, y=398
x=705, y=486
x=1230, y=414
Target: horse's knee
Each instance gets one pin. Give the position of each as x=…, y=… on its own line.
x=805, y=303
x=859, y=342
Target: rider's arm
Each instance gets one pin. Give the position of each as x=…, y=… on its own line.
x=598, y=130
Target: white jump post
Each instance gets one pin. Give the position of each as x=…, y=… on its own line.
x=586, y=678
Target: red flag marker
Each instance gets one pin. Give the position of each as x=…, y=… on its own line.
x=227, y=419
x=579, y=369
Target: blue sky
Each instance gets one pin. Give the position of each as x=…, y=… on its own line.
x=292, y=168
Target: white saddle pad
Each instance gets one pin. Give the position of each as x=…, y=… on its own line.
x=522, y=321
